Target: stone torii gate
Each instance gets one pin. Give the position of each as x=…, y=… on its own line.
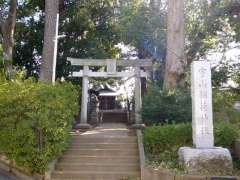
x=111, y=65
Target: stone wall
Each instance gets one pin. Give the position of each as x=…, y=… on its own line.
x=156, y=174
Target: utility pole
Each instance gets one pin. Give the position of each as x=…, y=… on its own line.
x=55, y=50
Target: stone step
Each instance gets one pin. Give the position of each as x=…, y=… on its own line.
x=103, y=145
x=114, y=117
x=102, y=152
x=80, y=139
x=87, y=175
x=101, y=159
x=97, y=167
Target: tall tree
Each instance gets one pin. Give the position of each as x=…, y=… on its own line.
x=175, y=62
x=7, y=29
x=91, y=32
x=51, y=12
x=142, y=25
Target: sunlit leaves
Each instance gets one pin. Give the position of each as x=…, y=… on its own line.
x=32, y=111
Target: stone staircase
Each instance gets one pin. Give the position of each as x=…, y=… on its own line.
x=114, y=116
x=104, y=153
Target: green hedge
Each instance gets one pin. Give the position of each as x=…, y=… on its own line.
x=161, y=143
x=160, y=107
x=158, y=139
x=223, y=106
x=35, y=120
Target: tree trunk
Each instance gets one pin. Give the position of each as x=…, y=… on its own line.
x=175, y=62
x=7, y=31
x=50, y=30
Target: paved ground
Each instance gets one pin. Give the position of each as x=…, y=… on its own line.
x=107, y=130
x=6, y=176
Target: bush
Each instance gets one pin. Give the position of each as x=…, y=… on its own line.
x=225, y=134
x=161, y=143
x=35, y=120
x=160, y=107
x=158, y=139
x=223, y=106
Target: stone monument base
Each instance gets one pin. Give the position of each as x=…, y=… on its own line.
x=216, y=160
x=82, y=126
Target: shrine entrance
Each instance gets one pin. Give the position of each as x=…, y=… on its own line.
x=137, y=73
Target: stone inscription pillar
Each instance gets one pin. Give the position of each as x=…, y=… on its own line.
x=202, y=123
x=202, y=159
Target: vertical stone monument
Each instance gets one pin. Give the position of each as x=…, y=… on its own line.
x=204, y=157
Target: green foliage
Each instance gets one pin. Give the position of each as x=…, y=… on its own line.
x=161, y=107
x=89, y=26
x=143, y=26
x=27, y=50
x=225, y=71
x=35, y=120
x=158, y=139
x=225, y=134
x=236, y=77
x=91, y=32
x=201, y=26
x=223, y=102
x=220, y=76
x=161, y=143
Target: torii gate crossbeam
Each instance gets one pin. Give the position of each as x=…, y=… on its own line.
x=111, y=65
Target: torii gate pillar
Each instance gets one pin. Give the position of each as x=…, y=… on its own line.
x=84, y=104
x=138, y=100
x=137, y=96
x=111, y=65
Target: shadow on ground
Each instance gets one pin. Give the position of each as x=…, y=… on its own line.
x=4, y=175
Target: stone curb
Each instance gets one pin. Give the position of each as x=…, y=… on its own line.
x=51, y=168
x=149, y=173
x=156, y=174
x=6, y=165
x=141, y=152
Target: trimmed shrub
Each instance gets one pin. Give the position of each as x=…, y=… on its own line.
x=223, y=106
x=158, y=139
x=225, y=134
x=35, y=120
x=172, y=107
x=161, y=143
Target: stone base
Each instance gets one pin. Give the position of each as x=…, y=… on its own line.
x=138, y=126
x=83, y=126
x=216, y=161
